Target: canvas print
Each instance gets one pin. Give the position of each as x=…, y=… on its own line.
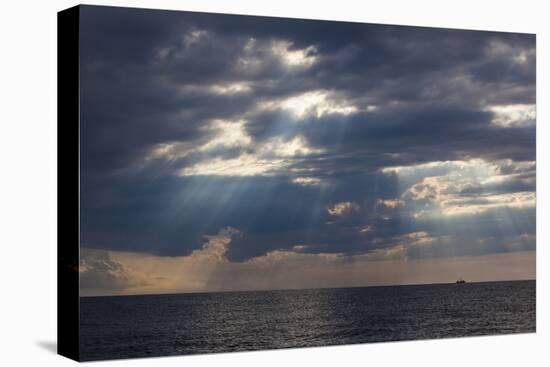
x=251, y=183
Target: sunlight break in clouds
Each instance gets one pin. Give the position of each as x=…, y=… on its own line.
x=514, y=115
x=316, y=103
x=244, y=165
x=223, y=89
x=270, y=157
x=228, y=134
x=468, y=187
x=225, y=134
x=256, y=53
x=294, y=57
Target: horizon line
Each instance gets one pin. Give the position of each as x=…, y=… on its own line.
x=304, y=289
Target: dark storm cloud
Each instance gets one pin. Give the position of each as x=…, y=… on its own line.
x=148, y=78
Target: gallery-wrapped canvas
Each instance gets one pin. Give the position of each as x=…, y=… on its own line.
x=238, y=183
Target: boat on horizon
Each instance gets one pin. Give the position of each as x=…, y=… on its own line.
x=460, y=281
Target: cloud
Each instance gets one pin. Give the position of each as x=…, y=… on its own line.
x=312, y=103
x=243, y=165
x=514, y=115
x=391, y=203
x=340, y=139
x=306, y=181
x=125, y=272
x=99, y=271
x=470, y=187
x=343, y=208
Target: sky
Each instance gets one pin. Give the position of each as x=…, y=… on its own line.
x=223, y=152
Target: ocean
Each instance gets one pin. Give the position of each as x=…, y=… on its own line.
x=158, y=325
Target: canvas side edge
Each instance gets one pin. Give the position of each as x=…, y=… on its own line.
x=68, y=166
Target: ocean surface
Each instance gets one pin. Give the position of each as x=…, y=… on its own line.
x=155, y=325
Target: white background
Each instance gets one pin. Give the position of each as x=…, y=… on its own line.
x=28, y=182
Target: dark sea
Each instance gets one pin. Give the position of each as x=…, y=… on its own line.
x=155, y=325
